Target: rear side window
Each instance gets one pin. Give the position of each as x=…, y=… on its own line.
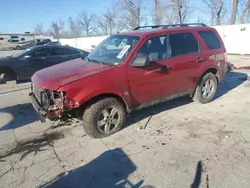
x=183, y=43
x=73, y=52
x=210, y=39
x=59, y=51
x=40, y=53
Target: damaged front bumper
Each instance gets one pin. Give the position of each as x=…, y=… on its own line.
x=39, y=109
x=44, y=113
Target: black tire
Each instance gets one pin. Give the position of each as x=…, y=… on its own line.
x=198, y=95
x=18, y=48
x=93, y=113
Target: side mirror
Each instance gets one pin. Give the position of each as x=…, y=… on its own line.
x=140, y=61
x=27, y=57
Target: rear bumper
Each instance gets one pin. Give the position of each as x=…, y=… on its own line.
x=39, y=109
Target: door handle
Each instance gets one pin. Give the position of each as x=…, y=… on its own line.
x=200, y=59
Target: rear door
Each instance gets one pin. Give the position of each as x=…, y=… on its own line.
x=74, y=54
x=59, y=54
x=186, y=58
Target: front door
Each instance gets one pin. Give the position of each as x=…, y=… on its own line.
x=156, y=80
x=33, y=62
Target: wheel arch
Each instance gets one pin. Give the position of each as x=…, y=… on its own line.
x=9, y=71
x=106, y=95
x=210, y=70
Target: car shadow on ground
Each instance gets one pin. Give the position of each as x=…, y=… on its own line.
x=21, y=115
x=231, y=81
x=139, y=115
x=111, y=169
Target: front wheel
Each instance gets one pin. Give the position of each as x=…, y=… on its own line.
x=206, y=89
x=104, y=118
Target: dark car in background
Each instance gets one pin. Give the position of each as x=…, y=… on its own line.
x=43, y=41
x=23, y=65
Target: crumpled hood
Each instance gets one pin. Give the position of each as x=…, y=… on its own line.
x=58, y=75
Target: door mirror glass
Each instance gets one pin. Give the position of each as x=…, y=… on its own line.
x=140, y=61
x=27, y=56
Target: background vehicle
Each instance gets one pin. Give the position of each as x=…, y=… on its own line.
x=14, y=37
x=43, y=41
x=23, y=65
x=129, y=71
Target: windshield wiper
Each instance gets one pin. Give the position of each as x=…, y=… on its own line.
x=86, y=58
x=96, y=61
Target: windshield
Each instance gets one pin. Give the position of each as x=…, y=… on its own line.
x=113, y=50
x=21, y=53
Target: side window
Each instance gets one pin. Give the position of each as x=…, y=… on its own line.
x=40, y=53
x=210, y=39
x=59, y=51
x=183, y=43
x=155, y=48
x=73, y=52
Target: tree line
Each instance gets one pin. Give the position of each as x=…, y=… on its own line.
x=128, y=14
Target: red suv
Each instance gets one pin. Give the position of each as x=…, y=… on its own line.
x=129, y=71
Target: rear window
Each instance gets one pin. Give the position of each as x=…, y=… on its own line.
x=210, y=39
x=59, y=51
x=183, y=43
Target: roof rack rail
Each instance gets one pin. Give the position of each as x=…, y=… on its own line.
x=148, y=26
x=171, y=25
x=184, y=25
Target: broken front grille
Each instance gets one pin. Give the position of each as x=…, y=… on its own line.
x=37, y=93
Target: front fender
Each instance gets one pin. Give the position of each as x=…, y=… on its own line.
x=83, y=96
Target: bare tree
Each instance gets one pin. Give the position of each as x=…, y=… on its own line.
x=87, y=22
x=177, y=11
x=57, y=29
x=107, y=22
x=74, y=29
x=132, y=13
x=38, y=30
x=110, y=23
x=246, y=9
x=158, y=12
x=215, y=8
x=234, y=11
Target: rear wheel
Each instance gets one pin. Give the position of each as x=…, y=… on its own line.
x=104, y=118
x=206, y=89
